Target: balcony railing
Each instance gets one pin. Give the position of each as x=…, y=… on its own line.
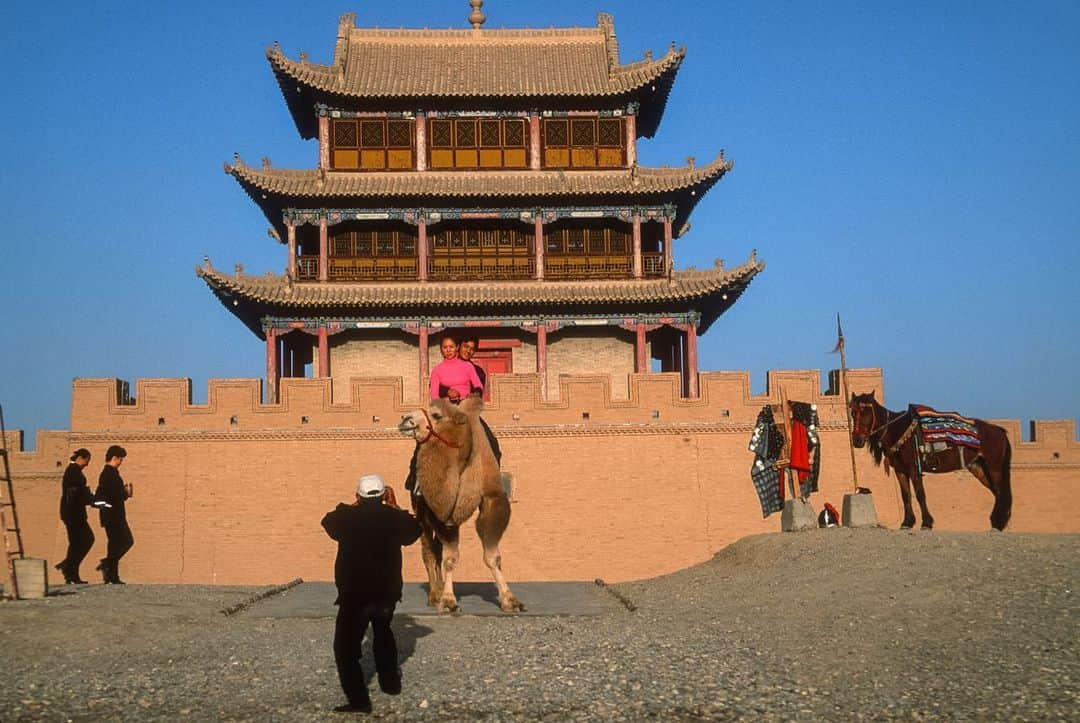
x=652, y=264
x=468, y=268
x=580, y=267
x=364, y=268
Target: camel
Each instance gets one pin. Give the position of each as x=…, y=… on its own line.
x=456, y=474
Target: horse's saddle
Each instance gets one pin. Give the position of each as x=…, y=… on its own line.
x=939, y=430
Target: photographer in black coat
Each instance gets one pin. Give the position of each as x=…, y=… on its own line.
x=370, y=534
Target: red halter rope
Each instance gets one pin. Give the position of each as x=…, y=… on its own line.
x=432, y=433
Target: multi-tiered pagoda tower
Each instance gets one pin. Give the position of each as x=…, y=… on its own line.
x=484, y=180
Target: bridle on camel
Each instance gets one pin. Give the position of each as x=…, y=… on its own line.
x=432, y=433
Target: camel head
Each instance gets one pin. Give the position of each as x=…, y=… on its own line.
x=440, y=421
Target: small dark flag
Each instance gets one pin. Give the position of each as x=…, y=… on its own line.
x=839, y=336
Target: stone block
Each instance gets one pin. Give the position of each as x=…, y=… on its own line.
x=859, y=511
x=30, y=578
x=797, y=515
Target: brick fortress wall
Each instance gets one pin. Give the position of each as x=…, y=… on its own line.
x=232, y=491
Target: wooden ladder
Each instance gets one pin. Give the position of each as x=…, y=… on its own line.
x=13, y=550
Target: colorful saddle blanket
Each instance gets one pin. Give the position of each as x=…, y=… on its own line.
x=938, y=429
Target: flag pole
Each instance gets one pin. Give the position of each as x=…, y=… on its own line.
x=844, y=386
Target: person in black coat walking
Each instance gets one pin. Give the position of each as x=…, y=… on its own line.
x=370, y=534
x=110, y=495
x=74, y=498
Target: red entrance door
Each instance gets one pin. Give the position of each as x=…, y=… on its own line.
x=494, y=361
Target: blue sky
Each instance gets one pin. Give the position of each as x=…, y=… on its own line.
x=914, y=166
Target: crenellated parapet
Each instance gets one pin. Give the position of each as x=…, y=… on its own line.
x=204, y=472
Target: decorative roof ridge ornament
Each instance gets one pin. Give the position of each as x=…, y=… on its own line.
x=477, y=17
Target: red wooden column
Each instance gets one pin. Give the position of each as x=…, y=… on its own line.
x=631, y=139
x=538, y=242
x=541, y=358
x=324, y=250
x=271, y=367
x=691, y=361
x=637, y=244
x=324, y=143
x=534, y=142
x=668, y=257
x=421, y=142
x=324, y=352
x=422, y=249
x=640, y=362
x=425, y=361
x=291, y=228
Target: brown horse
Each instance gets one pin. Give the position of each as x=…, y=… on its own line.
x=891, y=435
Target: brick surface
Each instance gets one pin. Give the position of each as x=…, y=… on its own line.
x=232, y=491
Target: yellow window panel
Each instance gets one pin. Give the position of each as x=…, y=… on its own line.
x=609, y=158
x=490, y=158
x=373, y=159
x=556, y=157
x=399, y=158
x=346, y=159
x=442, y=158
x=514, y=158
x=465, y=159
x=583, y=157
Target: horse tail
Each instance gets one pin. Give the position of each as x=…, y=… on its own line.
x=1003, y=495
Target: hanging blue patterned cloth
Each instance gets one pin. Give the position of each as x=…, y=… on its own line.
x=766, y=444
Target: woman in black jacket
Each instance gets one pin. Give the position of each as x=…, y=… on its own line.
x=110, y=495
x=74, y=498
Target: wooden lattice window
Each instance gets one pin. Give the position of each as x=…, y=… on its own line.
x=592, y=241
x=583, y=142
x=362, y=243
x=477, y=143
x=372, y=144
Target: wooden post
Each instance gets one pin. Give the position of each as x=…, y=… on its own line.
x=324, y=143
x=421, y=142
x=538, y=242
x=324, y=250
x=541, y=358
x=291, y=229
x=637, y=244
x=640, y=361
x=691, y=361
x=844, y=390
x=422, y=249
x=534, y=142
x=271, y=366
x=668, y=254
x=324, y=352
x=424, y=362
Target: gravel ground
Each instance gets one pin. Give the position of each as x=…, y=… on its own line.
x=842, y=624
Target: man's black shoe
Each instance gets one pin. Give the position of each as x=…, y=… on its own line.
x=390, y=684
x=364, y=707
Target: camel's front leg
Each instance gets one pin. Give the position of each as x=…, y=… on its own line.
x=448, y=602
x=490, y=524
x=431, y=553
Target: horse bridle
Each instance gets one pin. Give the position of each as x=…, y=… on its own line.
x=873, y=418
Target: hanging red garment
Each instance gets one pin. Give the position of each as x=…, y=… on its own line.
x=800, y=450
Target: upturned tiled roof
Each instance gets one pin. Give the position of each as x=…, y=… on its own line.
x=318, y=184
x=250, y=297
x=435, y=65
